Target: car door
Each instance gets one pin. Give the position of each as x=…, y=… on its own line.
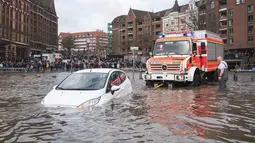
x=124, y=84
x=114, y=80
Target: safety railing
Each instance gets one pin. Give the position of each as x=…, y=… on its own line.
x=13, y=70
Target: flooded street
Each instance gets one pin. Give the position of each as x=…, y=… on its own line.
x=150, y=115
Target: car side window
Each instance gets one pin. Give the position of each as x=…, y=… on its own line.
x=123, y=77
x=115, y=79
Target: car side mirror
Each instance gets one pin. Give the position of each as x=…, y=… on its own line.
x=115, y=88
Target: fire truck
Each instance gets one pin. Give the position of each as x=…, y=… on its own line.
x=184, y=57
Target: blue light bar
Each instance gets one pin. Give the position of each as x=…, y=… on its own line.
x=160, y=36
x=188, y=34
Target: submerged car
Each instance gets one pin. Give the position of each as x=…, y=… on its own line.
x=90, y=87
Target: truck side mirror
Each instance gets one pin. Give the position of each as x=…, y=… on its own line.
x=194, y=48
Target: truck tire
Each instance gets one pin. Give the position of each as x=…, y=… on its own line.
x=196, y=80
x=149, y=83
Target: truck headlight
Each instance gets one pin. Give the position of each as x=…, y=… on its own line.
x=91, y=102
x=147, y=76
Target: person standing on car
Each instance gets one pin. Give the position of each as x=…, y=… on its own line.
x=222, y=73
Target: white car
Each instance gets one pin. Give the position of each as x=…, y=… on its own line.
x=90, y=87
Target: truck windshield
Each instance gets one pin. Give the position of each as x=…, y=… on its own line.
x=172, y=48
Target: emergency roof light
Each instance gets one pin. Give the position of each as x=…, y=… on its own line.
x=160, y=36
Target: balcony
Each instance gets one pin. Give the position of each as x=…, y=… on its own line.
x=130, y=32
x=224, y=35
x=223, y=18
x=223, y=7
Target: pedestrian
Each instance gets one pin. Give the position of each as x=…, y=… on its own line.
x=222, y=73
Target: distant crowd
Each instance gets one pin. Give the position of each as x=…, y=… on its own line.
x=71, y=64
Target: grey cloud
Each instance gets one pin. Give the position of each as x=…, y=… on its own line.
x=89, y=15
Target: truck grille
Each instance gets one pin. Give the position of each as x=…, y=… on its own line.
x=170, y=67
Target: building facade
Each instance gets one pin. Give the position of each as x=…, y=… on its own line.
x=233, y=20
x=27, y=27
x=109, y=50
x=92, y=43
x=180, y=18
x=140, y=28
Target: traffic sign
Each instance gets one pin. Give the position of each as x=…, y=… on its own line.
x=134, y=48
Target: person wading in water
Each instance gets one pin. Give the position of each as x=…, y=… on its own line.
x=222, y=73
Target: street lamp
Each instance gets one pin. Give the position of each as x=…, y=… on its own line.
x=88, y=52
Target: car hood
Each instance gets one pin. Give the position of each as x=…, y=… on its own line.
x=69, y=98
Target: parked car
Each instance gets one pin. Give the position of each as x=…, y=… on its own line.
x=89, y=87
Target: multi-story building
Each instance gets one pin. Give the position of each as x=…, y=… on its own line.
x=233, y=19
x=137, y=28
x=93, y=43
x=25, y=27
x=44, y=26
x=140, y=28
x=109, y=50
x=181, y=18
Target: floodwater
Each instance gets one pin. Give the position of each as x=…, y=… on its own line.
x=181, y=115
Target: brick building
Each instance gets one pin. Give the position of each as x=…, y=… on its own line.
x=140, y=28
x=137, y=28
x=27, y=27
x=233, y=19
x=93, y=43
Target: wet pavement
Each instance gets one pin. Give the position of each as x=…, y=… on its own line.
x=184, y=114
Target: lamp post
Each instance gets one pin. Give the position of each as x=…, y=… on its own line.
x=88, y=52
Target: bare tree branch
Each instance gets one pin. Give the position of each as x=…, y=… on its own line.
x=68, y=44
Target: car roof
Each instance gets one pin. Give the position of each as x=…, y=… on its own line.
x=97, y=70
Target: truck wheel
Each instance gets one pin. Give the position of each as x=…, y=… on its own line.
x=149, y=83
x=196, y=80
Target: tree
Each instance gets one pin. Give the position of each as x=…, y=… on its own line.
x=68, y=44
x=191, y=20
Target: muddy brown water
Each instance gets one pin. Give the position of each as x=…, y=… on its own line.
x=202, y=114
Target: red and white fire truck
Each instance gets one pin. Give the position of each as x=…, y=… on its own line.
x=188, y=57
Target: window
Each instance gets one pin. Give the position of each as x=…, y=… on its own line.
x=114, y=79
x=250, y=19
x=250, y=29
x=250, y=39
x=230, y=32
x=238, y=1
x=84, y=81
x=212, y=4
x=250, y=8
x=230, y=13
x=230, y=22
x=123, y=77
x=231, y=41
x=243, y=1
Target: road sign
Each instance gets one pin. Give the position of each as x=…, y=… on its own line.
x=134, y=48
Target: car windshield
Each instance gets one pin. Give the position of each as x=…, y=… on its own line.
x=172, y=48
x=84, y=81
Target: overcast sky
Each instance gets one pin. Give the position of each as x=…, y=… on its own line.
x=89, y=15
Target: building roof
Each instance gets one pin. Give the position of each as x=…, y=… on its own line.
x=139, y=14
x=92, y=33
x=47, y=4
x=176, y=7
x=159, y=14
x=119, y=19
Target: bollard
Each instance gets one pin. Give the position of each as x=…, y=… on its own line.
x=140, y=75
x=235, y=77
